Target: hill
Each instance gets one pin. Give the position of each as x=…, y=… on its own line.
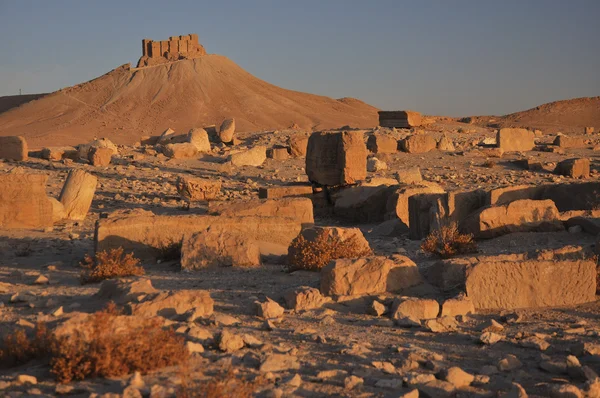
x=127, y=103
x=567, y=116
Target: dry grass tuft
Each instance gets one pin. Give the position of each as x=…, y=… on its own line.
x=18, y=348
x=96, y=350
x=110, y=264
x=313, y=256
x=490, y=164
x=447, y=241
x=226, y=385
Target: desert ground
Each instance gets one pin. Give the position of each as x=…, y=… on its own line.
x=502, y=305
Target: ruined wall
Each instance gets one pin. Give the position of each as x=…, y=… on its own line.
x=176, y=48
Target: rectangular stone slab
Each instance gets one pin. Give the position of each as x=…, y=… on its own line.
x=23, y=201
x=148, y=235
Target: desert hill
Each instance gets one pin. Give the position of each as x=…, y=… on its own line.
x=566, y=116
x=125, y=104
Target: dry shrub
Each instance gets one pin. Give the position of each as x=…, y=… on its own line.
x=490, y=164
x=18, y=348
x=447, y=241
x=94, y=350
x=110, y=264
x=226, y=385
x=313, y=256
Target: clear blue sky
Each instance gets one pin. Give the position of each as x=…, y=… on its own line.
x=447, y=57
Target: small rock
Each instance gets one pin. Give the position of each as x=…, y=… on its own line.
x=458, y=377
x=194, y=348
x=269, y=309
x=279, y=363
x=377, y=308
x=230, y=342
x=351, y=382
x=26, y=379
x=489, y=338
x=510, y=362
x=566, y=391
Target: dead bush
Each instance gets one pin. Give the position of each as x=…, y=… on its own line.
x=447, y=241
x=110, y=264
x=313, y=256
x=18, y=348
x=97, y=350
x=490, y=164
x=226, y=385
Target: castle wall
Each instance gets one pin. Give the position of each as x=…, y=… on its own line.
x=177, y=47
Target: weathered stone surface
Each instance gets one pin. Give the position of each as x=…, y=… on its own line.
x=426, y=210
x=279, y=363
x=199, y=138
x=58, y=210
x=445, y=144
x=285, y=191
x=575, y=168
x=84, y=149
x=460, y=305
x=227, y=130
x=58, y=153
x=268, y=309
x=148, y=235
x=305, y=298
x=336, y=158
x=458, y=377
x=369, y=275
x=399, y=119
x=180, y=151
x=363, y=203
x=23, y=201
x=194, y=189
x=278, y=153
x=418, y=143
x=166, y=136
x=374, y=165
x=100, y=156
x=298, y=145
x=171, y=303
x=397, y=204
x=564, y=141
x=297, y=209
x=515, y=140
x=251, y=157
x=415, y=309
x=230, y=342
x=13, y=148
x=382, y=143
x=511, y=281
x=409, y=175
x=518, y=216
x=125, y=290
x=77, y=194
x=214, y=247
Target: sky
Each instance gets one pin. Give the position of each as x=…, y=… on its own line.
x=444, y=57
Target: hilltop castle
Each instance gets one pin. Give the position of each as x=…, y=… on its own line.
x=176, y=48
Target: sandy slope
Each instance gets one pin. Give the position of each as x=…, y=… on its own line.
x=124, y=105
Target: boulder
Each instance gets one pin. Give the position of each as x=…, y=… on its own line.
x=251, y=157
x=268, y=309
x=298, y=145
x=58, y=210
x=171, y=303
x=369, y=275
x=445, y=144
x=305, y=298
x=512, y=282
x=518, y=216
x=574, y=168
x=230, y=342
x=460, y=305
x=166, y=137
x=425, y=212
x=23, y=201
x=199, y=138
x=84, y=149
x=418, y=143
x=126, y=290
x=399, y=119
x=227, y=130
x=180, y=151
x=278, y=153
x=58, y=153
x=410, y=175
x=100, y=156
x=214, y=247
x=336, y=158
x=382, y=143
x=515, y=140
x=297, y=209
x=149, y=235
x=194, y=189
x=397, y=203
x=77, y=194
x=375, y=165
x=414, y=309
x=13, y=148
x=564, y=141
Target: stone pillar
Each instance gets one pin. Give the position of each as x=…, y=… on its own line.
x=77, y=194
x=146, y=47
x=155, y=50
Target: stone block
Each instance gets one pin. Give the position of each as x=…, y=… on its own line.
x=397, y=204
x=278, y=153
x=574, y=168
x=216, y=247
x=297, y=209
x=298, y=145
x=23, y=202
x=336, y=158
x=565, y=141
x=425, y=212
x=418, y=143
x=382, y=143
x=363, y=203
x=399, y=119
x=515, y=140
x=251, y=157
x=285, y=191
x=13, y=148
x=58, y=153
x=194, y=189
x=77, y=194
